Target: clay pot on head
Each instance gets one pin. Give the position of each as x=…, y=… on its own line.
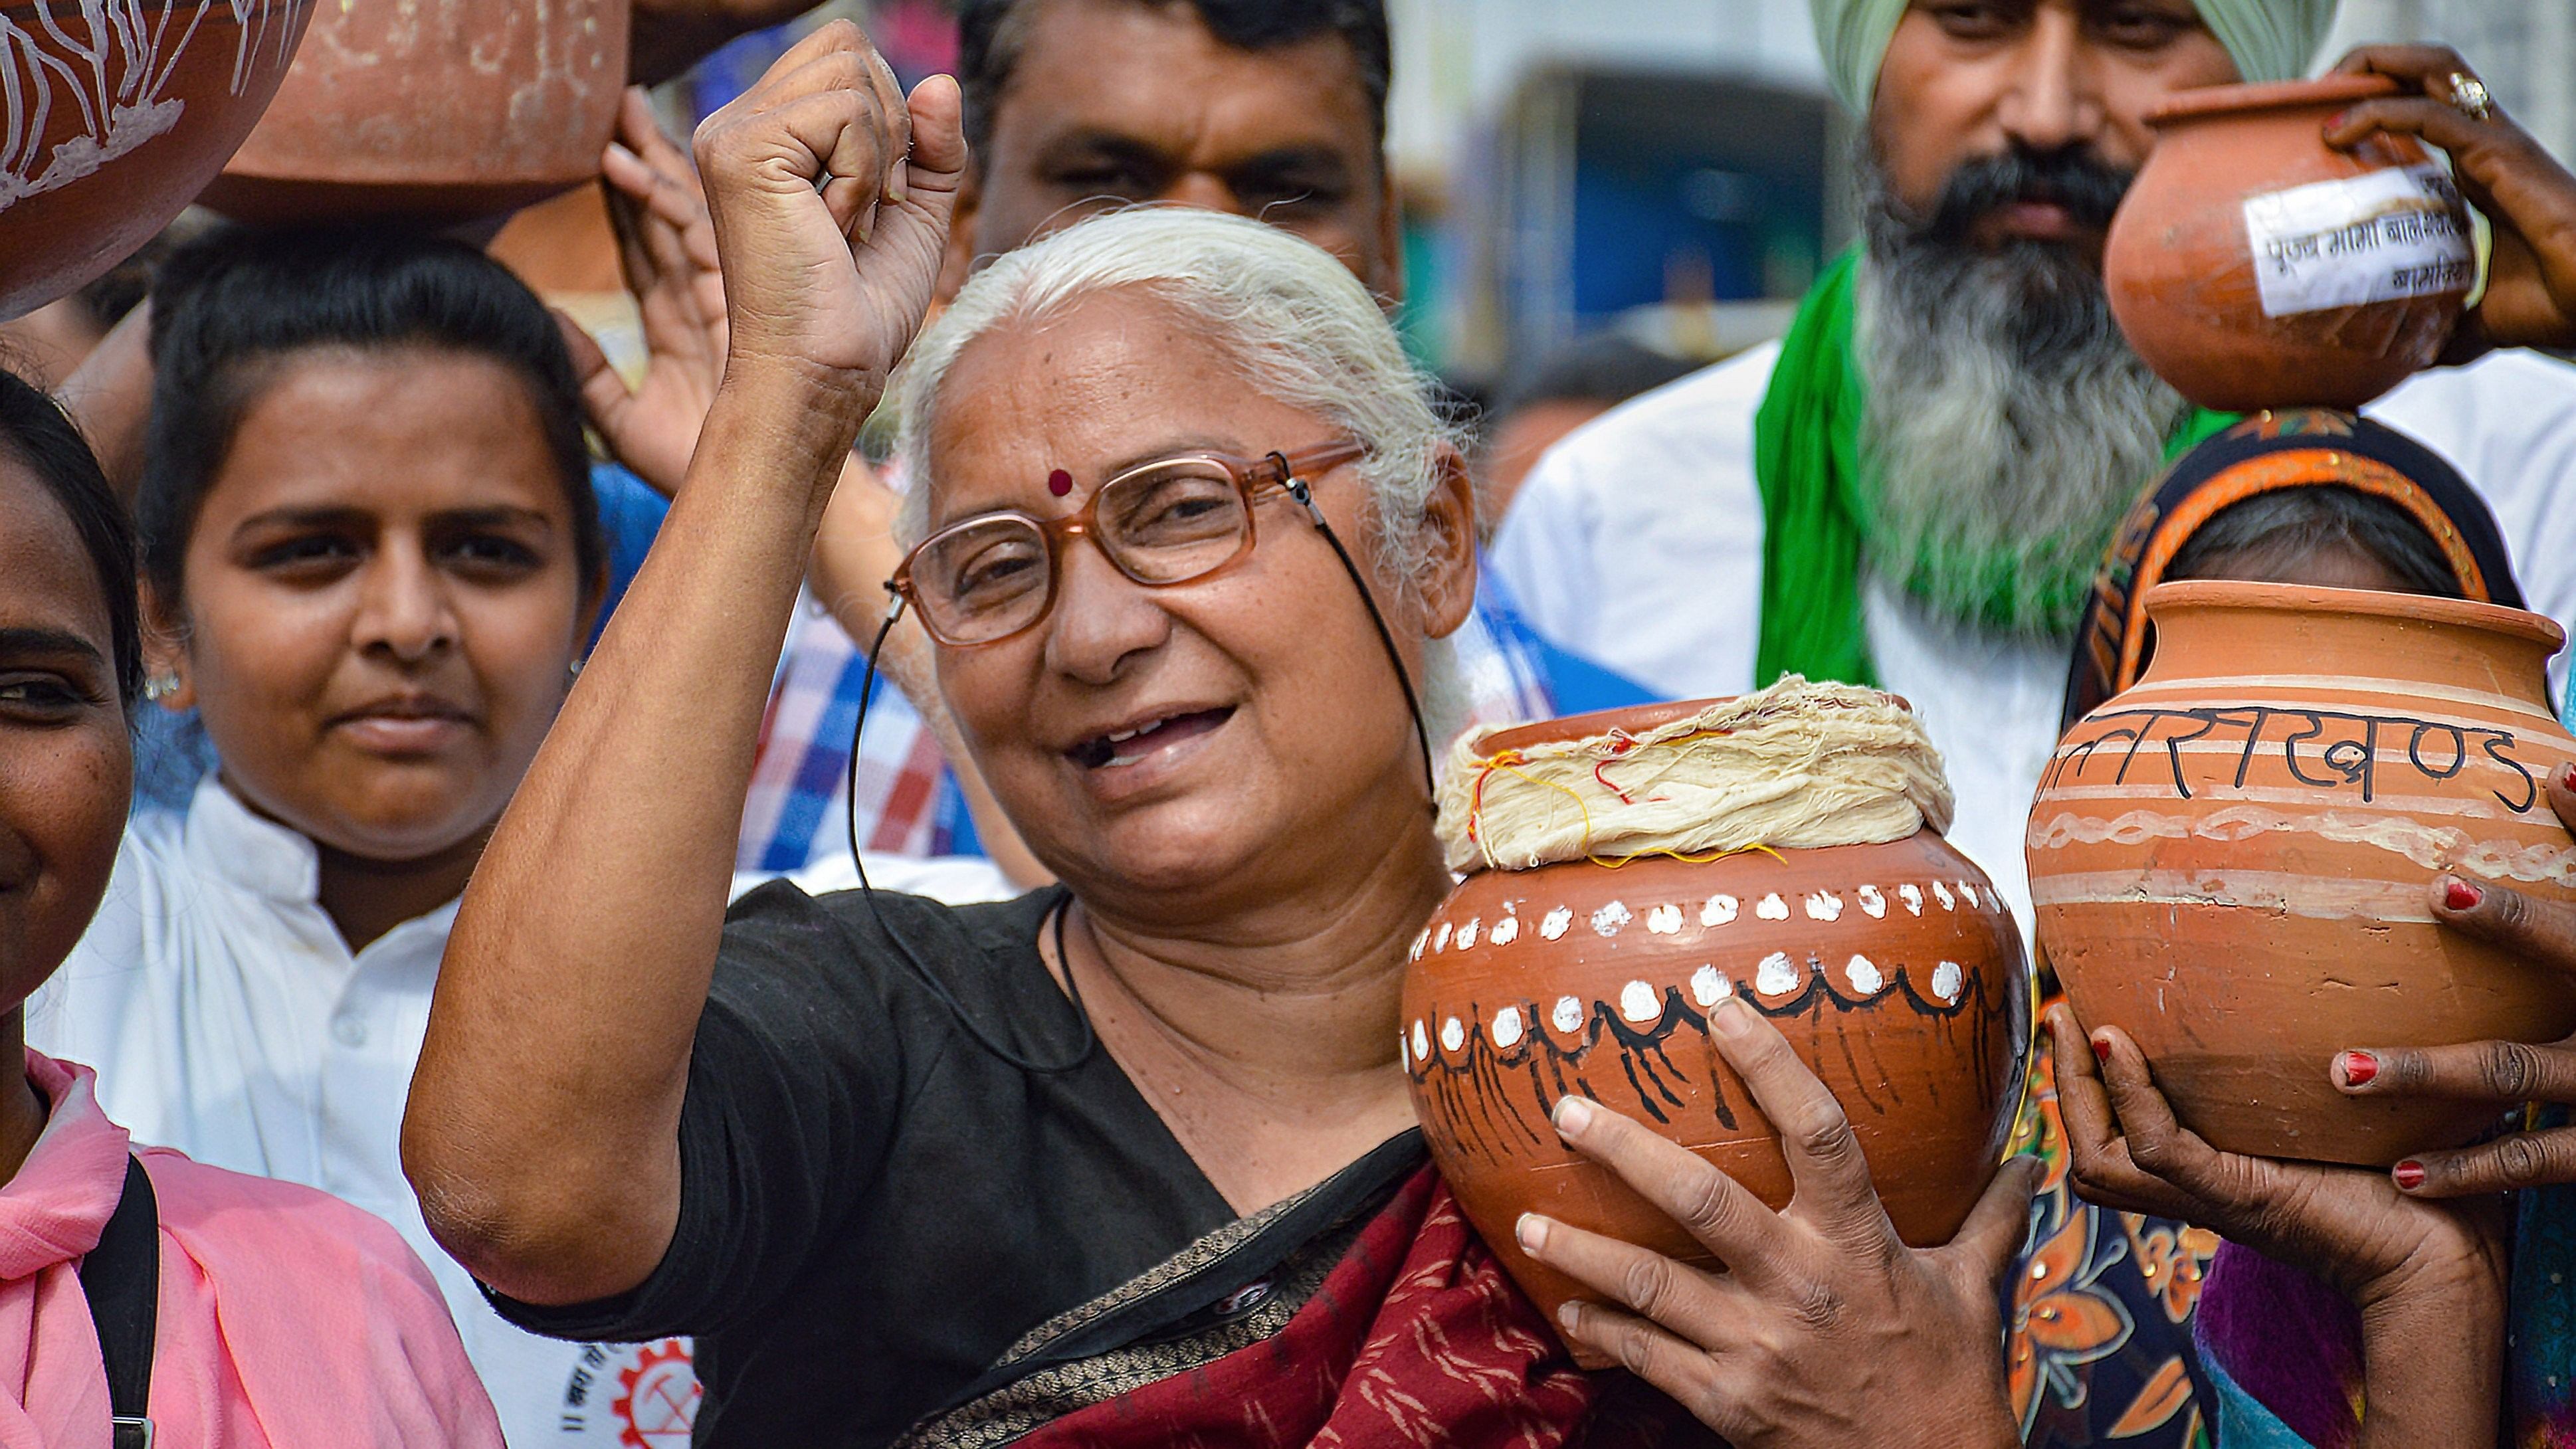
x=435, y=112
x=117, y=114
x=1894, y=969
x=2253, y=266
x=2233, y=860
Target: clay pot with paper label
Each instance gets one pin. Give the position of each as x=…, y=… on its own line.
x=1613, y=900
x=2233, y=860
x=116, y=116
x=434, y=113
x=2254, y=267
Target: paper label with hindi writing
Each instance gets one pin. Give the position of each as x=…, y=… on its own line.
x=2377, y=238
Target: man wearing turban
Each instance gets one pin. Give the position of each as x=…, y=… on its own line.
x=1914, y=488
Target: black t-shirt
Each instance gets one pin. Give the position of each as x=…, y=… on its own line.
x=874, y=1206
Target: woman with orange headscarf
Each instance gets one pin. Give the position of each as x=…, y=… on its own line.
x=2282, y=1342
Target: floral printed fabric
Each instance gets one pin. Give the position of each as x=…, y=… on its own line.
x=2099, y=1310
x=2541, y=1336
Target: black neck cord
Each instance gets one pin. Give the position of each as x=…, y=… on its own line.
x=1073, y=989
x=1403, y=680
x=1304, y=494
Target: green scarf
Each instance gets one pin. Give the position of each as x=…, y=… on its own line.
x=1815, y=503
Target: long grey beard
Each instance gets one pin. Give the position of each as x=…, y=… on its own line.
x=2009, y=423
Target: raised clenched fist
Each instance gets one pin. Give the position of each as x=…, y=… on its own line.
x=831, y=195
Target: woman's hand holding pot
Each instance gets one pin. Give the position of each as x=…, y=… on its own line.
x=1823, y=1327
x=2504, y=172
x=2505, y=1074
x=2427, y=1277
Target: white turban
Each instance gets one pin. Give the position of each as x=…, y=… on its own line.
x=2269, y=39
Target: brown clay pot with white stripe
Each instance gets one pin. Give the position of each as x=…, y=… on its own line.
x=2233, y=860
x=1893, y=968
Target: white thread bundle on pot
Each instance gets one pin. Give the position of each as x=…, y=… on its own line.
x=1796, y=765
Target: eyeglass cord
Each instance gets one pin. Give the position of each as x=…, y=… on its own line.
x=1305, y=496
x=1090, y=1042
x=1304, y=493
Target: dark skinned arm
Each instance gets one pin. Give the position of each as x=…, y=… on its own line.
x=2428, y=1278
x=2530, y=199
x=2502, y=1074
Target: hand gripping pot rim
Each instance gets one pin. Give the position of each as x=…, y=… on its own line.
x=1888, y=961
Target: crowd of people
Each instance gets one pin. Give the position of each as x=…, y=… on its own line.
x=547, y=911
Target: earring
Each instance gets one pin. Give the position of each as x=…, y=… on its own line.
x=575, y=670
x=160, y=686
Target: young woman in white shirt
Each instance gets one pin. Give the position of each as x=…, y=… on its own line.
x=371, y=556
x=370, y=553
x=140, y=1291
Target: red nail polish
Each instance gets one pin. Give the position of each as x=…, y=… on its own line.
x=2459, y=895
x=2335, y=121
x=2101, y=1049
x=2567, y=778
x=2408, y=1175
x=2359, y=1068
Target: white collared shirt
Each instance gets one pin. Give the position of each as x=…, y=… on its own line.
x=1637, y=542
x=227, y=1018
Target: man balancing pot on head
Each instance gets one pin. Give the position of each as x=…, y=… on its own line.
x=1914, y=488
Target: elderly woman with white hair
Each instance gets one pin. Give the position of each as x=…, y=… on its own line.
x=1129, y=1159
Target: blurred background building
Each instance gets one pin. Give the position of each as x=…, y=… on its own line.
x=1673, y=168
x=1669, y=170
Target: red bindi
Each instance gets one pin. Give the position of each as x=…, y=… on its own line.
x=1059, y=483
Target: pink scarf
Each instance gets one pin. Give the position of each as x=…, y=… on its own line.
x=287, y=1317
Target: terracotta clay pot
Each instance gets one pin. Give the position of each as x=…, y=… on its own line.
x=2233, y=860
x=117, y=113
x=436, y=112
x=1895, y=971
x=2254, y=267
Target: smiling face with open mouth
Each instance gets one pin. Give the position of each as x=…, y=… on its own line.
x=380, y=601
x=1168, y=738
x=1139, y=743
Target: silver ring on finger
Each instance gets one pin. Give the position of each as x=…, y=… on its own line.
x=2469, y=96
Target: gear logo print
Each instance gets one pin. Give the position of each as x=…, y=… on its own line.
x=661, y=1398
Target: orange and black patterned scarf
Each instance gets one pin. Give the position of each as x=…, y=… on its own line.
x=2108, y=1341
x=2304, y=448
